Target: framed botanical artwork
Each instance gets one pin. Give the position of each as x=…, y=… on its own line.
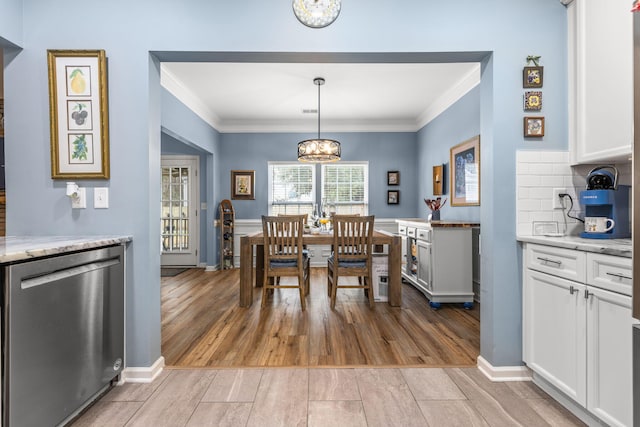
x=79, y=114
x=532, y=76
x=393, y=197
x=465, y=173
x=534, y=127
x=438, y=180
x=533, y=100
x=393, y=178
x=243, y=185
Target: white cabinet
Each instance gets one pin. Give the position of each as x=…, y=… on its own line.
x=439, y=262
x=577, y=333
x=609, y=357
x=601, y=80
x=554, y=332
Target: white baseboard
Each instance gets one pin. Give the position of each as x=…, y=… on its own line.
x=503, y=373
x=145, y=374
x=210, y=268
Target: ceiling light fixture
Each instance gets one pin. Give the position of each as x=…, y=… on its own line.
x=319, y=150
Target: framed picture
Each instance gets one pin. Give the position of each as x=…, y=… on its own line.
x=533, y=127
x=393, y=178
x=533, y=100
x=243, y=185
x=79, y=115
x=465, y=173
x=532, y=76
x=393, y=197
x=438, y=180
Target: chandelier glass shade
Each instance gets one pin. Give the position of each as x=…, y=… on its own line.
x=319, y=150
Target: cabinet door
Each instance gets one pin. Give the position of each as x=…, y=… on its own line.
x=603, y=100
x=554, y=332
x=425, y=273
x=609, y=357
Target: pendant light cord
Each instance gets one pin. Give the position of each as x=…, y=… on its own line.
x=319, y=84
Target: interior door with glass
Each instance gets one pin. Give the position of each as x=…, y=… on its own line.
x=179, y=223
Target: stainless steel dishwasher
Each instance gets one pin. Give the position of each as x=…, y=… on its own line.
x=62, y=335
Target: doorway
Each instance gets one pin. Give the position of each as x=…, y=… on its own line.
x=179, y=202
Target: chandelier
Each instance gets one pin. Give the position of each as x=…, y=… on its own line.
x=319, y=150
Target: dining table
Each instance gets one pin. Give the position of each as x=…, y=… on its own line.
x=380, y=239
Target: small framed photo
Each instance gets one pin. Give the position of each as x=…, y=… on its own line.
x=532, y=77
x=393, y=178
x=243, y=185
x=393, y=197
x=533, y=127
x=79, y=114
x=533, y=100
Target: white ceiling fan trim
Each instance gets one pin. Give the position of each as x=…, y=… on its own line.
x=471, y=80
x=188, y=98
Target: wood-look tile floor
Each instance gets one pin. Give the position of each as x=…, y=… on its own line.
x=203, y=326
x=326, y=397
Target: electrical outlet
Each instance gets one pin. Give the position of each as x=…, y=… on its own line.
x=557, y=202
x=80, y=202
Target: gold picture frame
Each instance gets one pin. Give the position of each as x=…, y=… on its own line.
x=465, y=173
x=79, y=114
x=243, y=185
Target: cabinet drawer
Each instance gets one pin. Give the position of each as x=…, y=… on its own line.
x=560, y=262
x=610, y=272
x=411, y=231
x=402, y=230
x=423, y=234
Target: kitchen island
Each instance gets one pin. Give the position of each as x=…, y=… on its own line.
x=440, y=259
x=62, y=324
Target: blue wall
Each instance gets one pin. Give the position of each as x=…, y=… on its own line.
x=458, y=123
x=423, y=30
x=383, y=151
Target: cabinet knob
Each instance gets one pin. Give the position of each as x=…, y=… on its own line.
x=572, y=290
x=552, y=261
x=587, y=294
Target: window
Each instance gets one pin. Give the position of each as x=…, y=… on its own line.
x=291, y=188
x=347, y=186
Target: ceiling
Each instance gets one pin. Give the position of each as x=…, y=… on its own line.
x=357, y=97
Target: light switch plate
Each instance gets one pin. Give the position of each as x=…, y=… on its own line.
x=80, y=202
x=101, y=197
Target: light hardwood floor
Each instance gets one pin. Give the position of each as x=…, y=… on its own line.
x=203, y=326
x=326, y=397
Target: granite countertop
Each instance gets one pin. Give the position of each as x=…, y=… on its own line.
x=421, y=222
x=617, y=247
x=20, y=248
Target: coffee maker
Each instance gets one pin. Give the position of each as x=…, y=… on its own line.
x=606, y=199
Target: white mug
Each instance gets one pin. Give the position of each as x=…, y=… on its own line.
x=598, y=224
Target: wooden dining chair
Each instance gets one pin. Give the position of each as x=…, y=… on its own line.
x=283, y=254
x=352, y=254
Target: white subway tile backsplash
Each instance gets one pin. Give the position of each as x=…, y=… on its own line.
x=529, y=181
x=537, y=174
x=552, y=181
x=555, y=156
x=541, y=168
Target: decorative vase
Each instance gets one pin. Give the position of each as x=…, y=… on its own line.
x=435, y=215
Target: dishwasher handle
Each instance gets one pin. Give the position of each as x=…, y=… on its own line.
x=68, y=272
